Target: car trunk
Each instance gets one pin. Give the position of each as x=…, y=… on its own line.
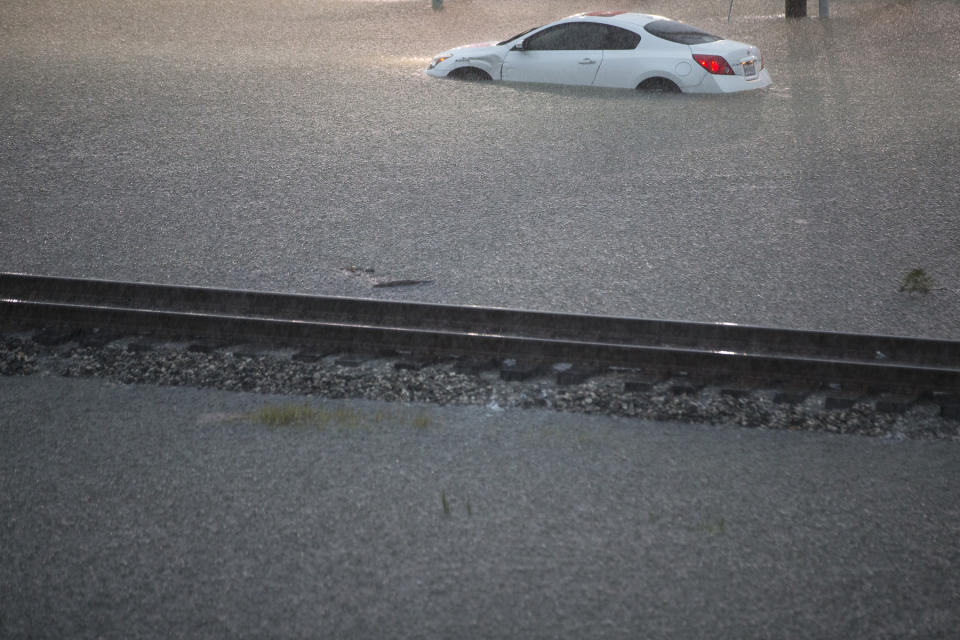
x=741, y=57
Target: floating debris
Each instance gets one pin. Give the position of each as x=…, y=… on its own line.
x=355, y=269
x=401, y=283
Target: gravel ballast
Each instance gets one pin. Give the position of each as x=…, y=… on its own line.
x=454, y=381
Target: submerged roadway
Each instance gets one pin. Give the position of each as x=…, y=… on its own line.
x=298, y=146
x=140, y=511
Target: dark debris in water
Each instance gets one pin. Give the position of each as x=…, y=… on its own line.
x=368, y=272
x=401, y=283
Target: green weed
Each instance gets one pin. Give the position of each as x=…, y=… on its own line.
x=916, y=281
x=422, y=421
x=714, y=527
x=322, y=417
x=284, y=416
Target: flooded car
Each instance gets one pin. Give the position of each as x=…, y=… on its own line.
x=614, y=49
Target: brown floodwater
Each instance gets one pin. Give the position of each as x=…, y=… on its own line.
x=276, y=144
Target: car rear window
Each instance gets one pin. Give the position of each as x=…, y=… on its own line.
x=678, y=32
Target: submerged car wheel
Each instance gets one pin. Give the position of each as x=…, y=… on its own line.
x=469, y=73
x=658, y=85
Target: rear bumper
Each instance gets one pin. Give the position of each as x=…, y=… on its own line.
x=730, y=84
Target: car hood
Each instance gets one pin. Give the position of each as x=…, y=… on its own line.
x=477, y=50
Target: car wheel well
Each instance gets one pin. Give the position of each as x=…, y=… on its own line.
x=658, y=85
x=469, y=73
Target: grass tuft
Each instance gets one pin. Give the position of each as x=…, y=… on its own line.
x=422, y=421
x=716, y=527
x=916, y=281
x=343, y=417
x=284, y=416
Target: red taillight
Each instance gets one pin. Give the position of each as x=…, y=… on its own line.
x=714, y=64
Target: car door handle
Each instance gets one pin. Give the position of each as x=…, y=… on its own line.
x=588, y=61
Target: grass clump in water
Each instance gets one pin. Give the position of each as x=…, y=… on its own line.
x=344, y=417
x=305, y=415
x=285, y=416
x=916, y=281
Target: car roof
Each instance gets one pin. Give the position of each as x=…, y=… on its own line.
x=614, y=17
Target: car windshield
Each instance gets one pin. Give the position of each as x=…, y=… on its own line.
x=519, y=35
x=678, y=32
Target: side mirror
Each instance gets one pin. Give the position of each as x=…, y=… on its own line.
x=518, y=46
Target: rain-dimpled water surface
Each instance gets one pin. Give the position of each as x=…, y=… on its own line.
x=296, y=145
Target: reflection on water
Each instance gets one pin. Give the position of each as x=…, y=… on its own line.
x=270, y=144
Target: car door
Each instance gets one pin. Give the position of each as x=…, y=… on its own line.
x=567, y=53
x=623, y=59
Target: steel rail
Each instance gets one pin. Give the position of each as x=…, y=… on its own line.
x=714, y=351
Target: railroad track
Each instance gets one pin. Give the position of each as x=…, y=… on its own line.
x=710, y=352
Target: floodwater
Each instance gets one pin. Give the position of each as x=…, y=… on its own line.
x=298, y=146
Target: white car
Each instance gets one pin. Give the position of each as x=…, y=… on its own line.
x=612, y=49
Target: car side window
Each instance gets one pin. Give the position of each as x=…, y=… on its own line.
x=618, y=38
x=568, y=36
